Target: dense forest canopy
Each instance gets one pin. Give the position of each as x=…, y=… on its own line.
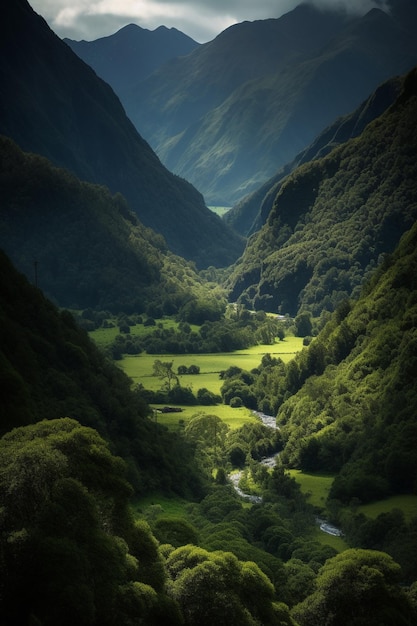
x=332, y=218
x=87, y=247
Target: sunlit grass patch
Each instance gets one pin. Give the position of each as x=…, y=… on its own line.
x=220, y=210
x=156, y=505
x=234, y=418
x=407, y=503
x=139, y=367
x=317, y=486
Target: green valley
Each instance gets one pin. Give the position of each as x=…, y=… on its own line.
x=196, y=427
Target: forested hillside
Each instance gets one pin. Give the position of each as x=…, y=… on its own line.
x=333, y=218
x=50, y=369
x=251, y=213
x=85, y=245
x=355, y=411
x=229, y=128
x=53, y=104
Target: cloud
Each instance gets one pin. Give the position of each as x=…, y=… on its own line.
x=200, y=19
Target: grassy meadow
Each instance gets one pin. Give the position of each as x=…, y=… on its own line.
x=140, y=367
x=103, y=337
x=220, y=210
x=407, y=503
x=316, y=486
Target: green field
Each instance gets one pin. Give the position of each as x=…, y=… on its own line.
x=317, y=486
x=406, y=503
x=234, y=418
x=140, y=367
x=163, y=506
x=338, y=543
x=103, y=337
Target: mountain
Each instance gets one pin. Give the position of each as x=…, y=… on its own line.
x=132, y=54
x=53, y=104
x=228, y=127
x=83, y=246
x=333, y=217
x=249, y=215
x=356, y=412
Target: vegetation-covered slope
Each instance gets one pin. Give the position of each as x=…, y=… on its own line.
x=85, y=245
x=53, y=104
x=251, y=213
x=50, y=369
x=333, y=217
x=228, y=127
x=356, y=412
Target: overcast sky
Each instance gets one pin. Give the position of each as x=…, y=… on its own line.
x=200, y=19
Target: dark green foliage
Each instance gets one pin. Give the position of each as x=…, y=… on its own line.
x=333, y=218
x=84, y=248
x=175, y=531
x=255, y=440
x=70, y=550
x=50, y=368
x=215, y=587
x=355, y=413
x=356, y=588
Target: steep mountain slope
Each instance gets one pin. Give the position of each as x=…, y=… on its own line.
x=90, y=250
x=229, y=127
x=54, y=104
x=333, y=217
x=50, y=369
x=249, y=215
x=132, y=54
x=356, y=413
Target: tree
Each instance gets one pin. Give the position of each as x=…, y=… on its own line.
x=217, y=588
x=357, y=588
x=164, y=371
x=66, y=530
x=303, y=324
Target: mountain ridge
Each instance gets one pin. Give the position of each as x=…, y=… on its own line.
x=229, y=139
x=132, y=53
x=54, y=104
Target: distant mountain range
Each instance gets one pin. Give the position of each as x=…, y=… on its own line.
x=129, y=56
x=235, y=110
x=53, y=104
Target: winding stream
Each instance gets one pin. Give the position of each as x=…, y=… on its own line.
x=269, y=420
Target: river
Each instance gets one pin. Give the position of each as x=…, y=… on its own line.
x=269, y=420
